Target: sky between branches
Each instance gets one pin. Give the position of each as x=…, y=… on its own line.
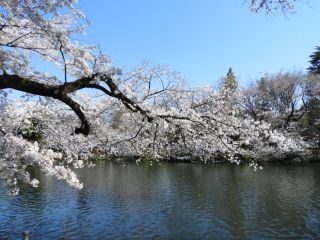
x=202, y=39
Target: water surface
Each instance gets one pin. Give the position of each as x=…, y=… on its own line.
x=169, y=201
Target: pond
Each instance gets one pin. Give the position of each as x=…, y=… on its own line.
x=169, y=201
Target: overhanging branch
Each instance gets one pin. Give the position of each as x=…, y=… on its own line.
x=60, y=92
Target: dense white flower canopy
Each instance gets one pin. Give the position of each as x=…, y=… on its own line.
x=148, y=112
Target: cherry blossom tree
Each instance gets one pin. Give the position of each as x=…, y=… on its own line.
x=147, y=112
x=44, y=29
x=279, y=99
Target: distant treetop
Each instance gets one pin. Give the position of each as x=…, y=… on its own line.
x=230, y=81
x=315, y=61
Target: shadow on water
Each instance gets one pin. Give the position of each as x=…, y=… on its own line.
x=169, y=201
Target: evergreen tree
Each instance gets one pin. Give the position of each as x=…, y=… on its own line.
x=315, y=62
x=230, y=82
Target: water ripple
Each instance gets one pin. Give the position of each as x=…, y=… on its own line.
x=171, y=201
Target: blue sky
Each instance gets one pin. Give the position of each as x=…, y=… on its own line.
x=203, y=38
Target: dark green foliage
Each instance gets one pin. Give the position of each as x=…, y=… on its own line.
x=248, y=158
x=315, y=62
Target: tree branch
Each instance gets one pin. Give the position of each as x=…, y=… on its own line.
x=60, y=92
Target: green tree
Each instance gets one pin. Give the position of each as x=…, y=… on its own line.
x=315, y=61
x=230, y=82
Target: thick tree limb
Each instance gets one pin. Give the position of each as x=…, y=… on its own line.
x=60, y=92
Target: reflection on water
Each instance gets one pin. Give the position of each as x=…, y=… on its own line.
x=169, y=201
